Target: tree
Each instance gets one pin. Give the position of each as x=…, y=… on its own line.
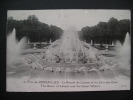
x=32, y=18
x=112, y=27
x=33, y=29
x=122, y=28
x=106, y=32
x=102, y=32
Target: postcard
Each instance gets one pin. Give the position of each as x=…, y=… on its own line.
x=69, y=50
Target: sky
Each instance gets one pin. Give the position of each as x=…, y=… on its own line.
x=77, y=18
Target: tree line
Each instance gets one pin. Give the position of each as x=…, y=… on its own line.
x=33, y=29
x=106, y=32
x=36, y=31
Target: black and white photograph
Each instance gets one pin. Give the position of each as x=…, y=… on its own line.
x=68, y=50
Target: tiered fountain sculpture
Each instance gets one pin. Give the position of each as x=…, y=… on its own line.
x=66, y=54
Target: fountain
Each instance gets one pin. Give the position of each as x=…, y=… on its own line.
x=65, y=59
x=124, y=52
x=14, y=48
x=67, y=55
x=70, y=52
